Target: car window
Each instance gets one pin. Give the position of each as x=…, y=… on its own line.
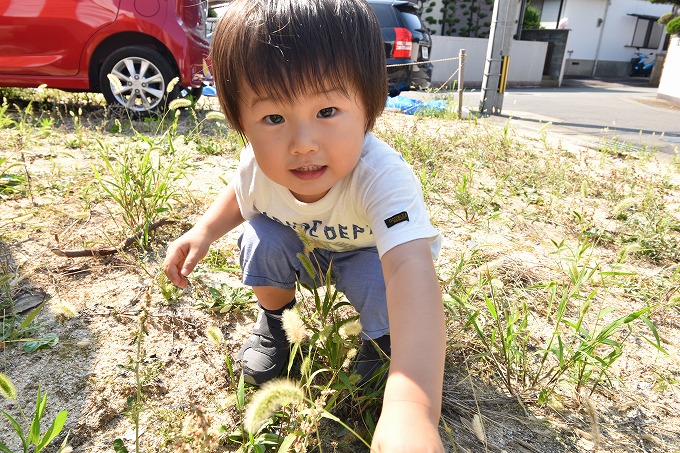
x=412, y=21
x=387, y=15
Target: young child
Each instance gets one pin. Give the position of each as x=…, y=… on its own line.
x=304, y=81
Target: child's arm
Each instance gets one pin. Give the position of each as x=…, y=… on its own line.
x=185, y=252
x=413, y=394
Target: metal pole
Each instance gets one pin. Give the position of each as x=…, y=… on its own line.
x=461, y=78
x=503, y=26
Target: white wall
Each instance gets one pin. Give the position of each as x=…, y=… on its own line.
x=616, y=30
x=619, y=29
x=584, y=16
x=669, y=88
x=527, y=59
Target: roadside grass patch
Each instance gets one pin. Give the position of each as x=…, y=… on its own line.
x=559, y=272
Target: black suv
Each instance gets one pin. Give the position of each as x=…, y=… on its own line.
x=406, y=41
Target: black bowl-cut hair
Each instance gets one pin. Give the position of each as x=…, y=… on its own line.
x=285, y=49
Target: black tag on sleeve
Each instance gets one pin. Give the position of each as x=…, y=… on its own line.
x=397, y=218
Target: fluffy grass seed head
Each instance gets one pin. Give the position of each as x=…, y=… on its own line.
x=306, y=240
x=623, y=206
x=294, y=326
x=115, y=82
x=7, y=389
x=171, y=85
x=307, y=264
x=270, y=397
x=351, y=329
x=215, y=335
x=179, y=103
x=217, y=116
x=64, y=311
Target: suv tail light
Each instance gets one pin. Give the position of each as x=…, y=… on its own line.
x=403, y=43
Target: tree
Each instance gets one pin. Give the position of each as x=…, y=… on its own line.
x=670, y=20
x=532, y=18
x=470, y=18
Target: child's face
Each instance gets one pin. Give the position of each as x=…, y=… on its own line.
x=306, y=146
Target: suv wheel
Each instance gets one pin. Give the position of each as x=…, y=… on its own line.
x=144, y=76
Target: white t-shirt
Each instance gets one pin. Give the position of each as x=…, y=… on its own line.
x=380, y=203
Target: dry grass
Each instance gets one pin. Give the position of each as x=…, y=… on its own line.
x=502, y=202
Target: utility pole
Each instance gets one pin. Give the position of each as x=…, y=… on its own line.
x=497, y=64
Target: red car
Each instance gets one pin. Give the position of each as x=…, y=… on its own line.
x=75, y=44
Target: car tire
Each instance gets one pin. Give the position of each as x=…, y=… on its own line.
x=144, y=76
x=196, y=94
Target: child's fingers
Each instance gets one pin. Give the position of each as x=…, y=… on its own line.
x=172, y=270
x=190, y=263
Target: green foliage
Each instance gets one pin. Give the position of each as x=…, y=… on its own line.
x=322, y=347
x=665, y=18
x=673, y=26
x=141, y=182
x=227, y=299
x=32, y=433
x=6, y=120
x=584, y=343
x=532, y=18
x=11, y=182
x=462, y=17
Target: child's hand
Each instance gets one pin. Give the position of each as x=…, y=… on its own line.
x=405, y=427
x=183, y=256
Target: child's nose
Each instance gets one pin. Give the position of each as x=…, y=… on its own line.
x=304, y=140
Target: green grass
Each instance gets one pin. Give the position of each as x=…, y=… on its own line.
x=559, y=267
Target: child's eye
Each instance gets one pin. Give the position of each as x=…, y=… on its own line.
x=274, y=119
x=327, y=112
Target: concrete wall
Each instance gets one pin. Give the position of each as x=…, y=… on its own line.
x=557, y=47
x=527, y=59
x=669, y=88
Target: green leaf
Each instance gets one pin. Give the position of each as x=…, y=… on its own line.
x=492, y=309
x=17, y=428
x=119, y=446
x=31, y=316
x=53, y=431
x=4, y=449
x=241, y=393
x=657, y=340
x=40, y=401
x=287, y=443
x=50, y=340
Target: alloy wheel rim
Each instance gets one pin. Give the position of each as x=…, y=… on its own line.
x=141, y=87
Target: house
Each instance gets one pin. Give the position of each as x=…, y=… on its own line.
x=605, y=34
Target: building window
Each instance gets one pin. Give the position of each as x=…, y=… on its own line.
x=647, y=33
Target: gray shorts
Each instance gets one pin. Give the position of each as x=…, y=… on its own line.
x=269, y=258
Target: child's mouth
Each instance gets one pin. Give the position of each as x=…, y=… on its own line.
x=309, y=172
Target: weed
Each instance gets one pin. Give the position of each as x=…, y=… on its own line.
x=10, y=182
x=32, y=434
x=135, y=403
x=582, y=346
x=14, y=329
x=141, y=182
x=6, y=120
x=227, y=299
x=322, y=346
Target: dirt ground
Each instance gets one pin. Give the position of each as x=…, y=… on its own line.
x=95, y=305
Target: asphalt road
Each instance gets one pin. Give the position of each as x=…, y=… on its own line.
x=624, y=114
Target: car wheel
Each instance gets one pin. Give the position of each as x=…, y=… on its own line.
x=139, y=80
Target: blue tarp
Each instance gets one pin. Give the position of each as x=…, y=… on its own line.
x=411, y=106
x=209, y=90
